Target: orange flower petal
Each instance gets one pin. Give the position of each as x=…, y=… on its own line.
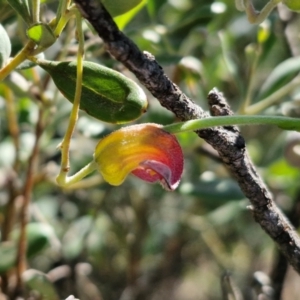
x=145, y=150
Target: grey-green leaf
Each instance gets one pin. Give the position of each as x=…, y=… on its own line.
x=22, y=8
x=106, y=94
x=281, y=75
x=5, y=47
x=8, y=252
x=38, y=281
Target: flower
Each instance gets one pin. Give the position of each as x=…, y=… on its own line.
x=146, y=150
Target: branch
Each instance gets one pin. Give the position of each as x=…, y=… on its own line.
x=226, y=140
x=24, y=214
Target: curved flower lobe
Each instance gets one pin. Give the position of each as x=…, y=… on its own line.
x=145, y=150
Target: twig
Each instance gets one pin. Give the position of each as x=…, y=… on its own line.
x=227, y=141
x=230, y=290
x=13, y=127
x=280, y=267
x=22, y=245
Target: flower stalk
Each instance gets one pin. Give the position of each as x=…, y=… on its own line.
x=285, y=123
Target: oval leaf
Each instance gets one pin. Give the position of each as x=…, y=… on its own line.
x=8, y=254
x=41, y=34
x=40, y=282
x=106, y=95
x=282, y=74
x=5, y=47
x=22, y=8
x=292, y=4
x=119, y=7
x=38, y=237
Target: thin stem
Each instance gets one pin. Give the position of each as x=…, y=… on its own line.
x=13, y=126
x=62, y=7
x=65, y=145
x=22, y=245
x=228, y=62
x=85, y=183
x=250, y=87
x=64, y=19
x=257, y=17
x=36, y=5
x=19, y=58
x=65, y=181
x=282, y=122
x=273, y=98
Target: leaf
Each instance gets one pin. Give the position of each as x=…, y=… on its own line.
x=5, y=47
x=124, y=19
x=40, y=282
x=292, y=4
x=8, y=252
x=213, y=193
x=41, y=34
x=74, y=239
x=38, y=237
x=22, y=8
x=153, y=7
x=281, y=75
x=119, y=7
x=106, y=95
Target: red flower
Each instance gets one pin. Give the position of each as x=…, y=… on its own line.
x=146, y=151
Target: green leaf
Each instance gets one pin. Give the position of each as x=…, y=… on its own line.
x=39, y=236
x=5, y=47
x=38, y=281
x=281, y=75
x=41, y=34
x=8, y=252
x=74, y=239
x=106, y=95
x=213, y=193
x=153, y=7
x=292, y=4
x=119, y=7
x=124, y=19
x=22, y=8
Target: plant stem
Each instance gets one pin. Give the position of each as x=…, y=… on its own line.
x=64, y=19
x=86, y=183
x=36, y=4
x=273, y=98
x=13, y=128
x=250, y=87
x=22, y=243
x=67, y=181
x=282, y=122
x=65, y=145
x=62, y=7
x=19, y=58
x=13, y=125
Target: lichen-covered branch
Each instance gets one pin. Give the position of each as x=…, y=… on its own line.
x=227, y=140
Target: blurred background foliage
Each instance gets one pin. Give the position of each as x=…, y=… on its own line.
x=137, y=241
